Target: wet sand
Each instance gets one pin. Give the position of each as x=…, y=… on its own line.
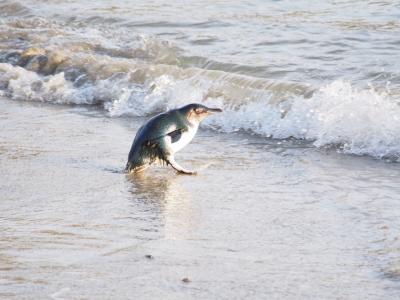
x=262, y=219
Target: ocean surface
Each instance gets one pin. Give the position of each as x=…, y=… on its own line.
x=298, y=188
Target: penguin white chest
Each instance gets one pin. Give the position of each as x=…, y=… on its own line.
x=185, y=138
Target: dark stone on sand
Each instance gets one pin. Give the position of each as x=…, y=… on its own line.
x=185, y=280
x=149, y=256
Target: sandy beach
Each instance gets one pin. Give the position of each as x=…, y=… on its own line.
x=261, y=219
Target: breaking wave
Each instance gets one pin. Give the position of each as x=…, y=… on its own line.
x=358, y=121
x=136, y=75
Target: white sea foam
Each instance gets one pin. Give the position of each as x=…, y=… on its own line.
x=358, y=121
x=21, y=84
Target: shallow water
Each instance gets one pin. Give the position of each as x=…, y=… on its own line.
x=262, y=219
x=297, y=191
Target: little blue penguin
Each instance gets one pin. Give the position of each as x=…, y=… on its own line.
x=164, y=135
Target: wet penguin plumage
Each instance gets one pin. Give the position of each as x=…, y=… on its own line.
x=164, y=135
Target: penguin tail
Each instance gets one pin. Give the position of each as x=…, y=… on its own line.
x=136, y=164
x=132, y=168
x=128, y=167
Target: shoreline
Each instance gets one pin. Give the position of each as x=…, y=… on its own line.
x=282, y=222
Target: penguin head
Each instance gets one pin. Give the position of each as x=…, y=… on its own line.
x=195, y=113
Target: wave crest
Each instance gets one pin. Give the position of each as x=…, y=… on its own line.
x=359, y=121
x=362, y=122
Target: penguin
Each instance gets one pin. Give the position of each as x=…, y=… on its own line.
x=164, y=135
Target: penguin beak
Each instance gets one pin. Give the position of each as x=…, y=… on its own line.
x=213, y=110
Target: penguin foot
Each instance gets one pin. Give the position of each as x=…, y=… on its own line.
x=177, y=167
x=186, y=172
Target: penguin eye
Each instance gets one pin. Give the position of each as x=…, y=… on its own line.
x=199, y=110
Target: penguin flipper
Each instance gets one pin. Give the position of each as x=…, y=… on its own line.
x=176, y=135
x=171, y=161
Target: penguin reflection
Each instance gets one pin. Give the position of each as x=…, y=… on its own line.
x=167, y=200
